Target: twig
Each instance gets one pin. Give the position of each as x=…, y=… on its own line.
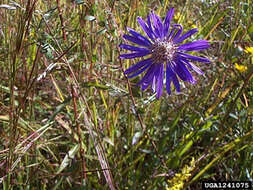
x=62, y=21
x=74, y=95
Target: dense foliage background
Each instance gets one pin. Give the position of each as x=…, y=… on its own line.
x=69, y=119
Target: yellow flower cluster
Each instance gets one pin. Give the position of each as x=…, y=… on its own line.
x=177, y=182
x=240, y=68
x=250, y=51
x=243, y=68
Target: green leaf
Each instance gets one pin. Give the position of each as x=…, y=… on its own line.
x=94, y=84
x=250, y=30
x=67, y=159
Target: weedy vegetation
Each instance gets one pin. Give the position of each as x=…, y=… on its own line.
x=70, y=119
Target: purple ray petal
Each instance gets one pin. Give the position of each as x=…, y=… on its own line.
x=150, y=25
x=168, y=78
x=157, y=23
x=173, y=76
x=133, y=48
x=135, y=40
x=174, y=35
x=153, y=84
x=149, y=81
x=186, y=35
x=194, y=46
x=133, y=55
x=145, y=28
x=159, y=86
x=192, y=57
x=155, y=78
x=139, y=71
x=149, y=75
x=145, y=85
x=183, y=72
x=138, y=68
x=192, y=66
x=176, y=82
x=167, y=21
x=139, y=36
x=178, y=71
x=138, y=65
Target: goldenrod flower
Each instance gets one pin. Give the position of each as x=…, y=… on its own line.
x=177, y=15
x=177, y=182
x=249, y=50
x=241, y=68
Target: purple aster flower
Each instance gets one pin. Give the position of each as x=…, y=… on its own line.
x=165, y=51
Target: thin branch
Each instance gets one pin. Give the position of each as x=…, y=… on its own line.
x=62, y=21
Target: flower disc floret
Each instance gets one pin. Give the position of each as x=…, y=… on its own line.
x=162, y=51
